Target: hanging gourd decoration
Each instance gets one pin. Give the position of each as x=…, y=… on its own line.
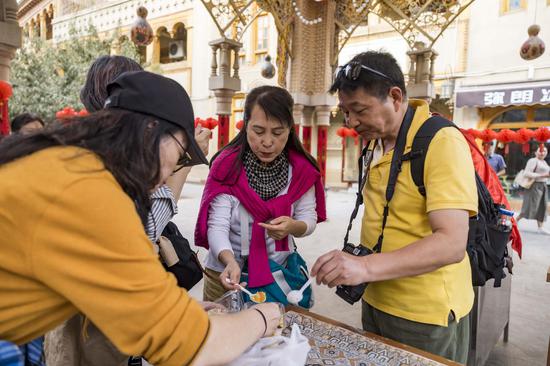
x=534, y=46
x=267, y=68
x=141, y=31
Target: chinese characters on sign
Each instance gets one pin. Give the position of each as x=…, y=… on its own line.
x=493, y=98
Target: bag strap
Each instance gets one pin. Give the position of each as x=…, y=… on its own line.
x=395, y=169
x=420, y=145
x=363, y=163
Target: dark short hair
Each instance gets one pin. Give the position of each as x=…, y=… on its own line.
x=372, y=83
x=23, y=119
x=104, y=70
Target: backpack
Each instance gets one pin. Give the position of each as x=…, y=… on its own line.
x=188, y=270
x=487, y=240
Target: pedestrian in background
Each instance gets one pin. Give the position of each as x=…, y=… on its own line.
x=496, y=161
x=535, y=200
x=26, y=123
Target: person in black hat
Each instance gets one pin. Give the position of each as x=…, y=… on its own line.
x=103, y=71
x=72, y=239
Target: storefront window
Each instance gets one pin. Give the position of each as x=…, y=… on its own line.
x=513, y=115
x=542, y=115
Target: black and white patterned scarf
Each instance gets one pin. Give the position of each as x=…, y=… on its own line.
x=266, y=179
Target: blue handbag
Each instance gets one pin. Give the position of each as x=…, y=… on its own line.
x=292, y=276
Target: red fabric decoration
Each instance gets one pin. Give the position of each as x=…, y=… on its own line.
x=473, y=132
x=350, y=132
x=197, y=122
x=488, y=135
x=489, y=177
x=342, y=131
x=5, y=90
x=239, y=125
x=83, y=112
x=65, y=113
x=506, y=135
x=523, y=135
x=211, y=123
x=542, y=134
x=5, y=93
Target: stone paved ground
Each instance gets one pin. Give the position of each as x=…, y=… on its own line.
x=530, y=304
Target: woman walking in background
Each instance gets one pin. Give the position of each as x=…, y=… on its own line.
x=535, y=200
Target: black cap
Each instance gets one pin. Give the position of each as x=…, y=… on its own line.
x=157, y=96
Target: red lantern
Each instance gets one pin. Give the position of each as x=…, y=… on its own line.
x=341, y=132
x=473, y=132
x=5, y=93
x=488, y=135
x=239, y=125
x=541, y=134
x=506, y=136
x=65, y=113
x=523, y=135
x=211, y=123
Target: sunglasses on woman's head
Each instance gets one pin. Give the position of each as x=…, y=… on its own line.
x=185, y=158
x=352, y=70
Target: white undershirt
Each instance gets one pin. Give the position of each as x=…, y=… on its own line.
x=224, y=226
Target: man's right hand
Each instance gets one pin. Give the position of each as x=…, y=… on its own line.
x=338, y=268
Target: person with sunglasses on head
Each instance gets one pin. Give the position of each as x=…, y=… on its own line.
x=76, y=197
x=419, y=279
x=263, y=189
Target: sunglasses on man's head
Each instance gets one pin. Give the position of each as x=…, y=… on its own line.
x=352, y=71
x=185, y=158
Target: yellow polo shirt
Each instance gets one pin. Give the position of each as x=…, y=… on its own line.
x=71, y=241
x=450, y=184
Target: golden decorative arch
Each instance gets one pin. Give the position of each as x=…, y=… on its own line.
x=415, y=20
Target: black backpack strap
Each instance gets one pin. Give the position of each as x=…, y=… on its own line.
x=420, y=145
x=395, y=169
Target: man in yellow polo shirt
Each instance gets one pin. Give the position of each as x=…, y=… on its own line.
x=420, y=289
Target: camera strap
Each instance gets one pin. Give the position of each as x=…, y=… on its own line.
x=364, y=164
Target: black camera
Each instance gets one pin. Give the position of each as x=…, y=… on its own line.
x=352, y=294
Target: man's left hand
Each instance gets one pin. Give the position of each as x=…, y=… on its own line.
x=338, y=268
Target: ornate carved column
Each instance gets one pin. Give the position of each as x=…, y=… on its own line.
x=421, y=71
x=306, y=128
x=223, y=83
x=10, y=36
x=323, y=121
x=297, y=113
x=43, y=26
